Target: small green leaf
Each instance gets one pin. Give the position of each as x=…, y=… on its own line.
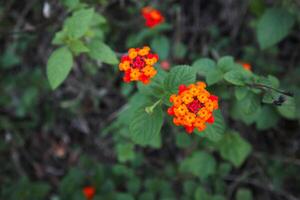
x=257, y=7
x=125, y=152
x=204, y=65
x=234, y=148
x=179, y=50
x=183, y=140
x=201, y=194
x=78, y=24
x=200, y=164
x=98, y=19
x=288, y=108
x=235, y=77
x=59, y=66
x=270, y=81
x=78, y=47
x=155, y=87
x=240, y=92
x=266, y=118
x=243, y=194
x=237, y=113
x=102, y=52
x=59, y=37
x=181, y=74
x=226, y=64
x=71, y=4
x=123, y=196
x=297, y=102
x=144, y=127
x=213, y=77
x=273, y=26
x=161, y=46
x=214, y=132
x=251, y=103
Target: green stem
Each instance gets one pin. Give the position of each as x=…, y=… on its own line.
x=149, y=109
x=261, y=86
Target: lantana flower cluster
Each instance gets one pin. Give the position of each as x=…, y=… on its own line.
x=152, y=16
x=138, y=65
x=193, y=107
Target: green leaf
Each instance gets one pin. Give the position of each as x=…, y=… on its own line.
x=215, y=131
x=288, y=108
x=155, y=87
x=102, y=52
x=237, y=113
x=266, y=118
x=179, y=50
x=257, y=7
x=240, y=92
x=98, y=19
x=161, y=46
x=226, y=64
x=134, y=185
x=234, y=148
x=71, y=182
x=217, y=197
x=123, y=196
x=181, y=74
x=200, y=164
x=251, y=103
x=201, y=194
x=125, y=152
x=59, y=66
x=144, y=127
x=243, y=194
x=183, y=140
x=236, y=77
x=78, y=24
x=78, y=47
x=297, y=102
x=71, y=4
x=270, y=81
x=273, y=26
x=204, y=65
x=213, y=77
x=59, y=37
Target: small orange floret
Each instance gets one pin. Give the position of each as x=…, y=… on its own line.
x=246, y=66
x=193, y=107
x=89, y=192
x=152, y=16
x=138, y=65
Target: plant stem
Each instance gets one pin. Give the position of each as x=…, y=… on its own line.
x=149, y=109
x=261, y=86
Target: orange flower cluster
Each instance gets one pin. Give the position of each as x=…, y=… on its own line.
x=152, y=16
x=89, y=192
x=193, y=106
x=138, y=65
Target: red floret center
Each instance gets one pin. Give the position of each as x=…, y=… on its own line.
x=194, y=106
x=138, y=62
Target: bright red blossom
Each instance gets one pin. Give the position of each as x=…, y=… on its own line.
x=89, y=192
x=192, y=107
x=152, y=16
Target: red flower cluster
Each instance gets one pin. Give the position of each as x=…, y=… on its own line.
x=193, y=107
x=89, y=192
x=138, y=65
x=152, y=16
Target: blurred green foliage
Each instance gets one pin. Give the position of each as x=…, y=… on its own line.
x=110, y=142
